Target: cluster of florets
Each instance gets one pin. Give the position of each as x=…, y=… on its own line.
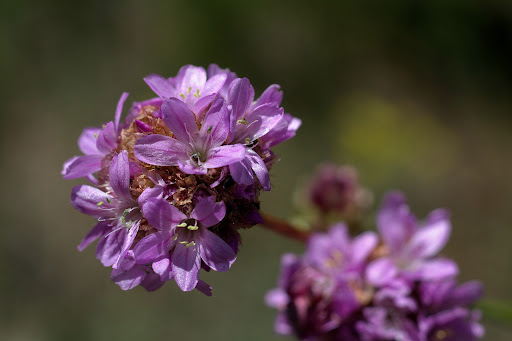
x=175, y=181
x=386, y=286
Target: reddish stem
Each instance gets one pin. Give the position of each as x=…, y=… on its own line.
x=284, y=228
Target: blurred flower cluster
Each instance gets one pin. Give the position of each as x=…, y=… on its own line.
x=175, y=180
x=389, y=285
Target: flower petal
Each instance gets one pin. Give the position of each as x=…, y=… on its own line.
x=432, y=237
x=259, y=168
x=180, y=120
x=186, y=264
x=163, y=268
x=160, y=150
x=152, y=282
x=160, y=85
x=215, y=252
x=395, y=222
x=81, y=166
x=203, y=287
x=97, y=231
x=214, y=84
x=119, y=175
x=224, y=156
x=152, y=248
x=240, y=97
x=215, y=128
x=87, y=199
x=381, y=271
x=241, y=172
x=190, y=167
x=259, y=122
x=109, y=247
x=119, y=111
x=162, y=215
x=209, y=212
x=127, y=242
x=193, y=77
x=87, y=141
x=272, y=94
x=128, y=279
x=436, y=269
x=107, y=139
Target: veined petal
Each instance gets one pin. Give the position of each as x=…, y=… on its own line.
x=160, y=150
x=260, y=121
x=203, y=287
x=186, y=264
x=97, y=231
x=87, y=141
x=436, y=269
x=127, y=242
x=190, y=167
x=129, y=278
x=215, y=128
x=272, y=94
x=193, y=77
x=241, y=172
x=215, y=252
x=259, y=168
x=209, y=212
x=152, y=248
x=363, y=245
x=107, y=139
x=81, y=166
x=109, y=247
x=160, y=85
x=119, y=175
x=180, y=120
x=241, y=95
x=91, y=201
x=152, y=282
x=395, y=222
x=381, y=271
x=214, y=84
x=225, y=155
x=163, y=268
x=201, y=104
x=119, y=111
x=162, y=215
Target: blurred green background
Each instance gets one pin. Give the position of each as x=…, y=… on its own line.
x=416, y=94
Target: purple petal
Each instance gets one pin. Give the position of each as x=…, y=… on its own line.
x=284, y=130
x=143, y=127
x=127, y=242
x=163, y=268
x=467, y=293
x=109, y=247
x=162, y=215
x=180, y=120
x=215, y=252
x=363, y=245
x=150, y=192
x=272, y=94
x=107, y=139
x=209, y=212
x=190, y=167
x=215, y=128
x=160, y=85
x=128, y=279
x=214, y=84
x=276, y=298
x=87, y=199
x=203, y=287
x=186, y=264
x=160, y=150
x=81, y=166
x=225, y=155
x=152, y=282
x=432, y=237
x=381, y=272
x=241, y=95
x=193, y=77
x=395, y=222
x=436, y=269
x=96, y=232
x=152, y=248
x=87, y=141
x=201, y=104
x=241, y=172
x=259, y=168
x=119, y=110
x=119, y=175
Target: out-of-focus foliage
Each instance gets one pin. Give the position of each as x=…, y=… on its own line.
x=415, y=94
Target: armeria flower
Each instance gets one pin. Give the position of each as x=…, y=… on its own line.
x=180, y=248
x=119, y=214
x=176, y=150
x=339, y=289
x=95, y=143
x=193, y=150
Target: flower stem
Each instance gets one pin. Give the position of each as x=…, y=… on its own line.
x=284, y=228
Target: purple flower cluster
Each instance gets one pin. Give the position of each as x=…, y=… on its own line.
x=386, y=286
x=174, y=182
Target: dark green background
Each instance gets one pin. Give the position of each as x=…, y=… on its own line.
x=416, y=94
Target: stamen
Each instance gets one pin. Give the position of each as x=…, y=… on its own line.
x=183, y=96
x=182, y=225
x=242, y=121
x=192, y=227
